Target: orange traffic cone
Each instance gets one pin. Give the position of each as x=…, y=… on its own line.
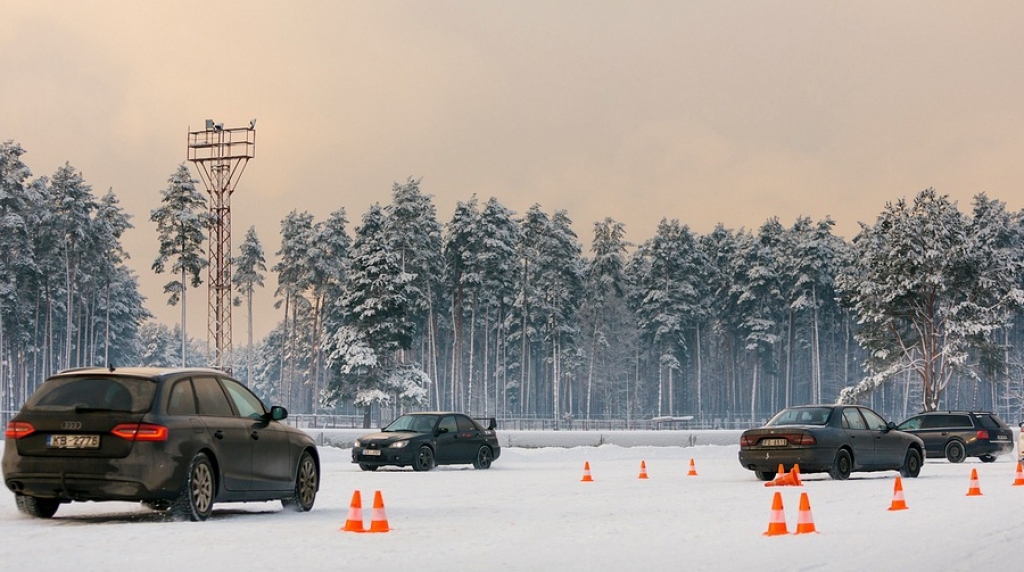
x=898, y=503
x=355, y=515
x=379, y=520
x=1020, y=476
x=586, y=473
x=781, y=473
x=804, y=520
x=643, y=470
x=796, y=475
x=777, y=522
x=975, y=490
x=693, y=470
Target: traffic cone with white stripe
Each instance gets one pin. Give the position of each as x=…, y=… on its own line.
x=355, y=515
x=804, y=519
x=975, y=489
x=586, y=473
x=777, y=521
x=693, y=470
x=1020, y=476
x=379, y=520
x=643, y=470
x=898, y=502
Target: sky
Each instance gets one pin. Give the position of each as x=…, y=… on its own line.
x=531, y=512
x=716, y=111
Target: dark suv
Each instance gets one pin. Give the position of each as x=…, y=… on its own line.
x=957, y=435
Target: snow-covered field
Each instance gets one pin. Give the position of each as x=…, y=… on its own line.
x=531, y=512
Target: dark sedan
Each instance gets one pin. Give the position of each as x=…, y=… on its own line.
x=173, y=439
x=424, y=440
x=837, y=439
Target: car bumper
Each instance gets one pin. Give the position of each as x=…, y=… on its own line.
x=994, y=448
x=768, y=459
x=133, y=478
x=388, y=456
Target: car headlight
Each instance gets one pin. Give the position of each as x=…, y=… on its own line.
x=357, y=443
x=398, y=444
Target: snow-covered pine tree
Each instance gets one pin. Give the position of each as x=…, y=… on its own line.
x=249, y=266
x=181, y=223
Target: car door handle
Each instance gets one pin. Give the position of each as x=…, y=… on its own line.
x=255, y=435
x=218, y=434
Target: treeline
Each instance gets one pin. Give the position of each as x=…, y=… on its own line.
x=510, y=314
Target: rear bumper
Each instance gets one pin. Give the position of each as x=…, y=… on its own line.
x=764, y=459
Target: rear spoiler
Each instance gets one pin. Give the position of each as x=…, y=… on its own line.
x=491, y=423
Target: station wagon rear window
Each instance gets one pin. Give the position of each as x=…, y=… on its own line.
x=94, y=394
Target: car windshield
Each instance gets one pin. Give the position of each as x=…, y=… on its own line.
x=801, y=416
x=94, y=394
x=414, y=423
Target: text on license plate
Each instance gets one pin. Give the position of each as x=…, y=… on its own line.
x=73, y=441
x=774, y=442
x=371, y=452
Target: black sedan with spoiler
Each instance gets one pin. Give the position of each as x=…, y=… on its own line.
x=424, y=440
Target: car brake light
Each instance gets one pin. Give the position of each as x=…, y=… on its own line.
x=983, y=434
x=19, y=429
x=140, y=432
x=805, y=439
x=746, y=441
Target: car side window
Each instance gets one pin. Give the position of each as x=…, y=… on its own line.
x=935, y=421
x=247, y=404
x=182, y=400
x=212, y=400
x=852, y=419
x=465, y=424
x=960, y=421
x=875, y=421
x=910, y=424
x=449, y=423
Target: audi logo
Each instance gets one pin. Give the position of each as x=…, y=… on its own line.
x=71, y=425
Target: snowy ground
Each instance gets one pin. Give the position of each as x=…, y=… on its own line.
x=531, y=512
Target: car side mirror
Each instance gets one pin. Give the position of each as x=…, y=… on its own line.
x=277, y=413
x=441, y=430
x=890, y=426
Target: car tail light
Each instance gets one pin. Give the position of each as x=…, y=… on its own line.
x=19, y=429
x=140, y=432
x=983, y=434
x=803, y=439
x=747, y=441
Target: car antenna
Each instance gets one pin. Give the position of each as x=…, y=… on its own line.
x=110, y=366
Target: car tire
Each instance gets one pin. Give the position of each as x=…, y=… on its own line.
x=366, y=467
x=484, y=457
x=987, y=458
x=35, y=506
x=424, y=460
x=307, y=482
x=842, y=466
x=911, y=464
x=195, y=501
x=955, y=452
x=765, y=475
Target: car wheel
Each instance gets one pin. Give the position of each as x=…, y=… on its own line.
x=955, y=452
x=483, y=458
x=842, y=466
x=765, y=475
x=195, y=501
x=366, y=467
x=987, y=458
x=35, y=506
x=911, y=464
x=424, y=460
x=307, y=481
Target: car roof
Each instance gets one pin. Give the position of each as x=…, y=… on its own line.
x=146, y=372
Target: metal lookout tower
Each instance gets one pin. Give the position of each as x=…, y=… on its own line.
x=220, y=155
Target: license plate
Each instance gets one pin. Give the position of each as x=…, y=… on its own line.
x=1001, y=438
x=371, y=453
x=73, y=441
x=774, y=442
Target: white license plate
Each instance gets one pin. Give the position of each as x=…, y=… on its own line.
x=774, y=442
x=1001, y=438
x=371, y=453
x=73, y=441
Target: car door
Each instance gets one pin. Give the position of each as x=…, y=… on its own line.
x=271, y=465
x=861, y=439
x=227, y=433
x=469, y=439
x=446, y=448
x=890, y=449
